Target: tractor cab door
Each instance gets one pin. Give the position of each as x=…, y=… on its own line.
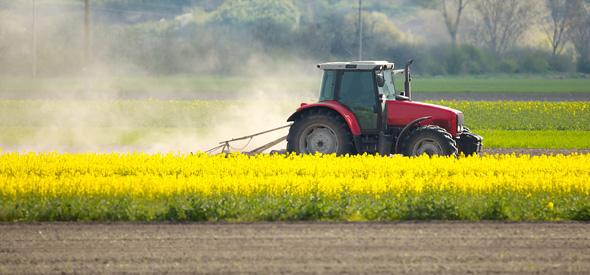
x=386, y=91
x=357, y=91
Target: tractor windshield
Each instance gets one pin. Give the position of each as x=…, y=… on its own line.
x=388, y=89
x=327, y=88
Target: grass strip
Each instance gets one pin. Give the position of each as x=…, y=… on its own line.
x=312, y=207
x=505, y=85
x=148, y=136
x=535, y=139
x=196, y=84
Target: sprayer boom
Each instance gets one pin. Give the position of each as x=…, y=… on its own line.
x=226, y=148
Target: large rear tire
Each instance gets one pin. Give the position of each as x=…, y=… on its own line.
x=430, y=140
x=322, y=131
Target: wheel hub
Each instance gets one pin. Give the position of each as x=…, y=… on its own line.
x=320, y=139
x=428, y=146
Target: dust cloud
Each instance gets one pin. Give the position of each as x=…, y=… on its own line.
x=97, y=116
x=149, y=126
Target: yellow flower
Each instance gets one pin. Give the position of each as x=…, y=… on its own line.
x=147, y=176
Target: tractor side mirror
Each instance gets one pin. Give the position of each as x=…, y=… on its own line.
x=380, y=79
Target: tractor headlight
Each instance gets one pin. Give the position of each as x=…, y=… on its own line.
x=460, y=122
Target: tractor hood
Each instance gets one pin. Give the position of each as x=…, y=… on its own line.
x=401, y=113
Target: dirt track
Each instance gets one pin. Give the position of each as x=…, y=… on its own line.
x=262, y=248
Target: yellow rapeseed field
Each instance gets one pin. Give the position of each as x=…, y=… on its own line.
x=140, y=175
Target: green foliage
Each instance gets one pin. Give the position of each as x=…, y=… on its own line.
x=120, y=113
x=528, y=116
x=443, y=205
x=508, y=66
x=534, y=139
x=583, y=66
x=249, y=12
x=501, y=84
x=272, y=33
x=129, y=122
x=470, y=59
x=534, y=64
x=528, y=124
x=582, y=213
x=156, y=37
x=145, y=85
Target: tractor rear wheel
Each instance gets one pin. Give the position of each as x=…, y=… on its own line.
x=320, y=131
x=430, y=140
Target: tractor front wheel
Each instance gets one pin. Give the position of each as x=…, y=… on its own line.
x=430, y=140
x=320, y=131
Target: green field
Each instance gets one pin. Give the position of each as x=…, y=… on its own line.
x=288, y=84
x=132, y=122
x=502, y=84
x=535, y=139
x=197, y=84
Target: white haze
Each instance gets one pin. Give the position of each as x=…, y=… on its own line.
x=65, y=129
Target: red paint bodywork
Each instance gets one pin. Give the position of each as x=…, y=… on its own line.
x=400, y=113
x=346, y=114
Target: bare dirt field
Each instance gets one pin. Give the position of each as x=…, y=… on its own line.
x=320, y=247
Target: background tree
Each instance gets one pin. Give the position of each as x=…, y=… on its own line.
x=502, y=23
x=249, y=12
x=556, y=23
x=579, y=33
x=451, y=12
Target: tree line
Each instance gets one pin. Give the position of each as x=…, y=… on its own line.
x=156, y=37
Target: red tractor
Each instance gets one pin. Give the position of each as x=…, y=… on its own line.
x=359, y=112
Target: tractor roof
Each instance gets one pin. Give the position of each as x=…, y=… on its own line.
x=356, y=65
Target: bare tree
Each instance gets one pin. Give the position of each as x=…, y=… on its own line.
x=502, y=23
x=451, y=12
x=557, y=21
x=579, y=33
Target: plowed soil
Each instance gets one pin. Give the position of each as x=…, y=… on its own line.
x=307, y=248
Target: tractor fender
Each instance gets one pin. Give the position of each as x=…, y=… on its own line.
x=405, y=130
x=345, y=113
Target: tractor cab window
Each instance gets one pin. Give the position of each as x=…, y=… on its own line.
x=388, y=89
x=328, y=84
x=397, y=74
x=357, y=92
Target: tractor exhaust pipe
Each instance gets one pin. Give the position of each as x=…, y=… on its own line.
x=408, y=79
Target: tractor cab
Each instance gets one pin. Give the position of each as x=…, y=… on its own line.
x=359, y=112
x=360, y=87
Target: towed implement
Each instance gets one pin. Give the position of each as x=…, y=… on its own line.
x=359, y=112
